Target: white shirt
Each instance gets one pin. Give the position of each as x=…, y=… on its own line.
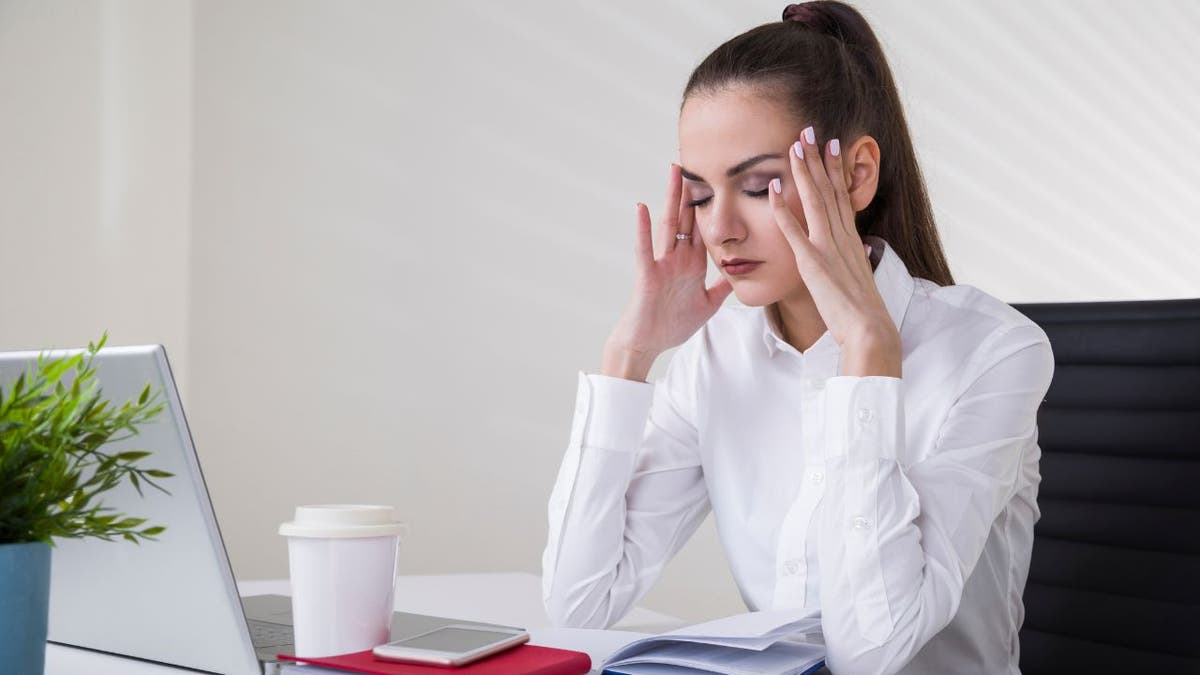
x=903, y=508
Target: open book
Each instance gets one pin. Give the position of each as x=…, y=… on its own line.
x=769, y=642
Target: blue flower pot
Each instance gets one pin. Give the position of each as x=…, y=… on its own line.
x=24, y=606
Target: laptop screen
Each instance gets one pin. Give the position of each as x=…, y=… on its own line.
x=173, y=600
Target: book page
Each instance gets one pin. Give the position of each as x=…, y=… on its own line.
x=782, y=658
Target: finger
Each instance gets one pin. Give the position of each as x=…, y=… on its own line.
x=687, y=216
x=836, y=171
x=846, y=232
x=818, y=169
x=668, y=225
x=815, y=213
x=719, y=290
x=800, y=242
x=643, y=248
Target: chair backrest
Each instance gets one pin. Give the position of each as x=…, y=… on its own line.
x=1114, y=582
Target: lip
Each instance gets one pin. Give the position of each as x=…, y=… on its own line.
x=741, y=268
x=737, y=261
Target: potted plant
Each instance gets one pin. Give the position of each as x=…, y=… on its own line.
x=53, y=468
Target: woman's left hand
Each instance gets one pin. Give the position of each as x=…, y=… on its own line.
x=833, y=262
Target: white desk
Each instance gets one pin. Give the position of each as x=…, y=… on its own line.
x=507, y=598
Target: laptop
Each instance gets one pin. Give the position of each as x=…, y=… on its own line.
x=171, y=601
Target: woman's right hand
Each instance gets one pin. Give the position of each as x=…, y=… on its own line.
x=670, y=301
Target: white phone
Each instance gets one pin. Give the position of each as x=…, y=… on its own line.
x=452, y=645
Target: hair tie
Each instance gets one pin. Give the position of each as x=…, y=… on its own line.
x=798, y=12
x=817, y=16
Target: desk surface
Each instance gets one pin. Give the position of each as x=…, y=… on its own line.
x=508, y=598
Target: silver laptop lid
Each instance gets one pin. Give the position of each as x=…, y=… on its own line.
x=173, y=600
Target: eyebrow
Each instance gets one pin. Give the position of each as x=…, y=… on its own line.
x=734, y=170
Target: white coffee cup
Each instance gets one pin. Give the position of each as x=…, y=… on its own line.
x=342, y=560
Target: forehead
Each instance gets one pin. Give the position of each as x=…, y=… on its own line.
x=719, y=130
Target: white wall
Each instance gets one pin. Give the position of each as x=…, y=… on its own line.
x=95, y=111
x=395, y=231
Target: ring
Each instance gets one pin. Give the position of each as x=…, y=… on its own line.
x=680, y=235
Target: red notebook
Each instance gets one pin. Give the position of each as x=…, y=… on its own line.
x=526, y=659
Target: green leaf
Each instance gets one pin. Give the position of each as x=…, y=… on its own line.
x=128, y=523
x=106, y=466
x=98, y=410
x=61, y=366
x=54, y=428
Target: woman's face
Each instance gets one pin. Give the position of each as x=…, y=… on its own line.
x=738, y=133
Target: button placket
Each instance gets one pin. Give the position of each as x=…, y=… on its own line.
x=792, y=584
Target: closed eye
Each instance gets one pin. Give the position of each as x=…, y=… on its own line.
x=701, y=202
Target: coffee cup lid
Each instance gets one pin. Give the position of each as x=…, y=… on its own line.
x=342, y=521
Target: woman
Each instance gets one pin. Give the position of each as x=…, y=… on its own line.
x=863, y=429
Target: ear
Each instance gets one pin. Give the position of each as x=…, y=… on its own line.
x=860, y=162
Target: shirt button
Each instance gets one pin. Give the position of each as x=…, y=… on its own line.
x=791, y=567
x=860, y=523
x=817, y=477
x=866, y=414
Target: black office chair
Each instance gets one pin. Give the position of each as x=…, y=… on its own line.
x=1114, y=583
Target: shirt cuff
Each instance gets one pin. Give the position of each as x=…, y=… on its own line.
x=864, y=417
x=611, y=412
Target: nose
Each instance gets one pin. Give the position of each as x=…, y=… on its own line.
x=724, y=225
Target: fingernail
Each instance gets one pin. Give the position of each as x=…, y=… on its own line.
x=835, y=147
x=867, y=249
x=810, y=136
x=776, y=186
x=798, y=148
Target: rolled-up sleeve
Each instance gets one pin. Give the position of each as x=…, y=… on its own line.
x=896, y=543
x=629, y=493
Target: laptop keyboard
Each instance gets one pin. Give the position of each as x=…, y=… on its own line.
x=267, y=634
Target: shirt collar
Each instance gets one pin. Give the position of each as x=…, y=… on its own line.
x=891, y=276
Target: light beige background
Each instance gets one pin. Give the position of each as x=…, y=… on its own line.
x=379, y=238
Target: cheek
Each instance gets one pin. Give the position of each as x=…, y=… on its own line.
x=776, y=242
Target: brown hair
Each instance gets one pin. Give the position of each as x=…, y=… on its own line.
x=823, y=62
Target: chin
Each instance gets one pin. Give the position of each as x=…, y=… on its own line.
x=754, y=294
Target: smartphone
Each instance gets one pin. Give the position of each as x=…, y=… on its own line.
x=453, y=645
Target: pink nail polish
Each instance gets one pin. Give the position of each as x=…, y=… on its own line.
x=776, y=186
x=798, y=148
x=835, y=147
x=810, y=135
